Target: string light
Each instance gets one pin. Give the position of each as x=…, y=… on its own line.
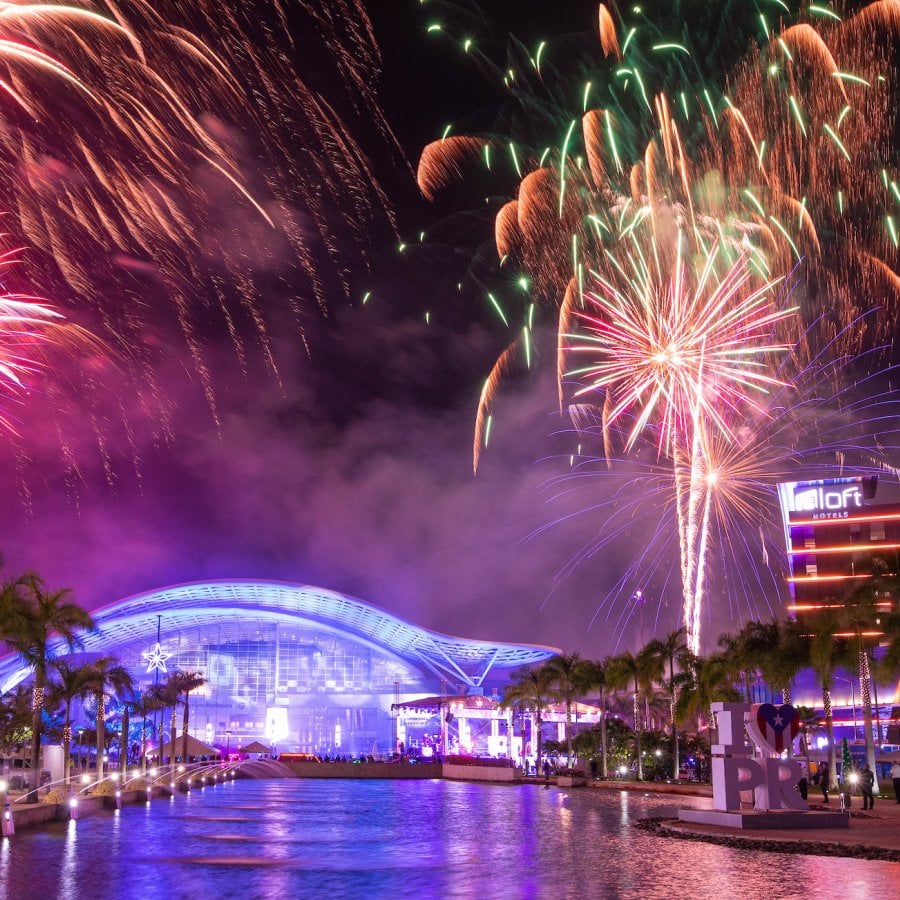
x=864, y=679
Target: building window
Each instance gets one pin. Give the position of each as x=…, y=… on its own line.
x=812, y=569
x=876, y=531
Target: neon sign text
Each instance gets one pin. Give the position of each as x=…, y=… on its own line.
x=828, y=503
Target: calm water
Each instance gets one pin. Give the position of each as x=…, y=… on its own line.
x=393, y=839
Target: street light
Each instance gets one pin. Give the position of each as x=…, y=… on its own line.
x=852, y=701
x=227, y=744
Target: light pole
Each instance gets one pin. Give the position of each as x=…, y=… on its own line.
x=638, y=598
x=852, y=701
x=227, y=744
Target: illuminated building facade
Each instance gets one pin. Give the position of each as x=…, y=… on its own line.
x=291, y=665
x=834, y=534
x=837, y=536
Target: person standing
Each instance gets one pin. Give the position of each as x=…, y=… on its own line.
x=895, y=775
x=822, y=778
x=866, y=783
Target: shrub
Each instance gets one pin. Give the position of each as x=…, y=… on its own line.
x=56, y=795
x=106, y=788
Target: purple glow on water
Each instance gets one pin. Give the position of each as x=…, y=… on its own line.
x=272, y=839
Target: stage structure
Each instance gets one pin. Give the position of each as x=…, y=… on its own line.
x=297, y=667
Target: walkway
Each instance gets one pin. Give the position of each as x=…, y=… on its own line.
x=872, y=834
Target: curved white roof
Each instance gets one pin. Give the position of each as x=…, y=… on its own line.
x=225, y=602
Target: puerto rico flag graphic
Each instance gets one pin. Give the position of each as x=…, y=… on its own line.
x=778, y=725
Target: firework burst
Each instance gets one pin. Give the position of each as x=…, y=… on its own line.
x=733, y=180
x=31, y=331
x=186, y=171
x=684, y=350
x=797, y=431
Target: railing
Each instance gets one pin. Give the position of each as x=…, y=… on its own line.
x=171, y=777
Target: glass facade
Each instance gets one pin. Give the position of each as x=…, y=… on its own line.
x=301, y=688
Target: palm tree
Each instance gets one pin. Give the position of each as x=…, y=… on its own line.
x=184, y=683
x=595, y=674
x=143, y=706
x=810, y=721
x=15, y=719
x=889, y=666
x=571, y=678
x=638, y=672
x=126, y=704
x=709, y=680
x=671, y=650
x=32, y=621
x=777, y=650
x=827, y=651
x=861, y=614
x=732, y=660
x=167, y=695
x=70, y=683
x=108, y=678
x=530, y=691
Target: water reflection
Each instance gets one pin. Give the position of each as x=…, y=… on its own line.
x=4, y=868
x=402, y=839
x=68, y=884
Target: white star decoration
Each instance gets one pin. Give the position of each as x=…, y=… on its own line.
x=156, y=658
x=776, y=721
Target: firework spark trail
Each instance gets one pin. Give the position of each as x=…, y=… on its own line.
x=682, y=355
x=789, y=157
x=158, y=155
x=747, y=172
x=805, y=431
x=31, y=331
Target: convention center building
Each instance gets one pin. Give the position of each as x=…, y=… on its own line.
x=297, y=667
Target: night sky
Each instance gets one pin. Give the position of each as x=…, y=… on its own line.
x=354, y=473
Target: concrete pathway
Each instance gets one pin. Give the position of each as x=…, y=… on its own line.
x=873, y=834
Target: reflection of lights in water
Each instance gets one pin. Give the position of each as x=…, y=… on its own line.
x=623, y=807
x=68, y=883
x=4, y=866
x=565, y=815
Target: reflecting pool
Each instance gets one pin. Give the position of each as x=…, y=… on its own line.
x=323, y=838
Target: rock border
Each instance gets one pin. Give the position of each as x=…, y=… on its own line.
x=662, y=828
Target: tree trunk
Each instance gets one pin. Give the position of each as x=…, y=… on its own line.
x=829, y=730
x=676, y=761
x=184, y=729
x=173, y=734
x=101, y=733
x=37, y=723
x=540, y=727
x=67, y=742
x=637, y=733
x=569, y=733
x=124, y=741
x=865, y=688
x=604, y=765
